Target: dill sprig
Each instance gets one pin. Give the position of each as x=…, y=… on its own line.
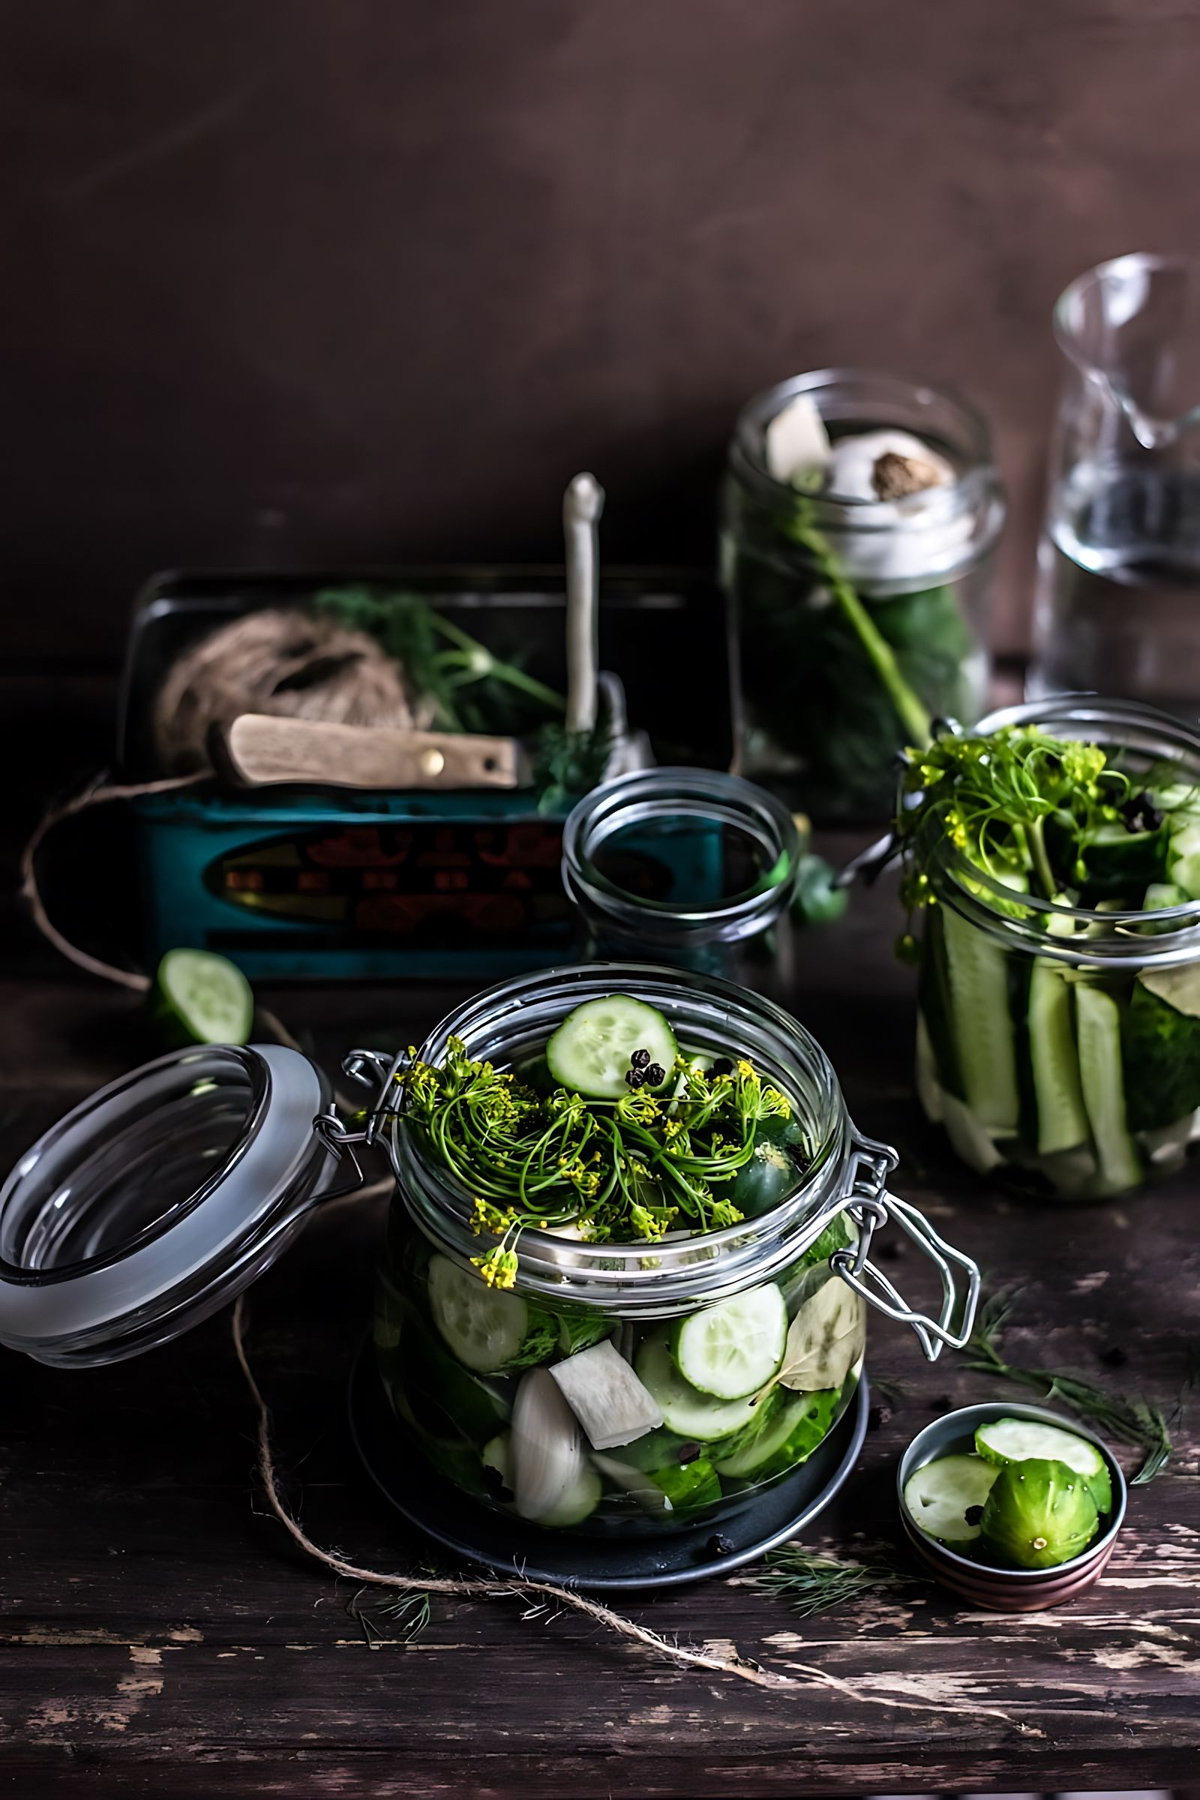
x=622, y=1170
x=992, y=797
x=1132, y=1421
x=816, y=1584
x=467, y=685
x=409, y=1615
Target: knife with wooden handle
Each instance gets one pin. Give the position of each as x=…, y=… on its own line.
x=262, y=750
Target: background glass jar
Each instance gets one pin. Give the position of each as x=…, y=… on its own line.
x=461, y=1361
x=1059, y=1046
x=854, y=618
x=687, y=867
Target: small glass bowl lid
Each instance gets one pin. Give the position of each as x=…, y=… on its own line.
x=157, y=1199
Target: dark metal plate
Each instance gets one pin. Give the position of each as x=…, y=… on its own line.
x=400, y=1472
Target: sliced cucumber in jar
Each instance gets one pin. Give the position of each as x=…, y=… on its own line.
x=498, y=1465
x=733, y=1349
x=697, y=1417
x=1017, y=1440
x=983, y=1027
x=487, y=1328
x=787, y=1431
x=1098, y=1021
x=939, y=1497
x=591, y=1050
x=1062, y=1121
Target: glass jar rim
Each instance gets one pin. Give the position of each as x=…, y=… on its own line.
x=916, y=512
x=648, y=1279
x=964, y=878
x=649, y=795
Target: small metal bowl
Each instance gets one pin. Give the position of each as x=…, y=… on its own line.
x=1005, y=1590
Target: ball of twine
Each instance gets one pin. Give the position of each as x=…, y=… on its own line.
x=285, y=662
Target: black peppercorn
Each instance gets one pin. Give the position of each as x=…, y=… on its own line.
x=879, y=1416
x=720, y=1545
x=973, y=1515
x=640, y=1059
x=655, y=1074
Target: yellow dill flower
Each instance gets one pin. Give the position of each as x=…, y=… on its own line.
x=498, y=1267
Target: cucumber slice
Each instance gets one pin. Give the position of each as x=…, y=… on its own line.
x=428, y=1386
x=607, y=1398
x=590, y=1051
x=967, y=1137
x=938, y=1497
x=695, y=1416
x=1183, y=859
x=733, y=1349
x=1016, y=1440
x=578, y=1503
x=788, y=1431
x=498, y=1465
x=1122, y=861
x=1062, y=1120
x=486, y=1328
x=1098, y=1021
x=200, y=998
x=983, y=1028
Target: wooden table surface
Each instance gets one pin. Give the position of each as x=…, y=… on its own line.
x=160, y=1633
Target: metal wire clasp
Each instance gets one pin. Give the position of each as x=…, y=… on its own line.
x=871, y=1207
x=371, y=1069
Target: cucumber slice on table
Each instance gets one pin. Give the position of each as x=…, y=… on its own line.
x=203, y=999
x=695, y=1416
x=733, y=1349
x=1098, y=1021
x=590, y=1051
x=486, y=1328
x=938, y=1497
x=1016, y=1440
x=1062, y=1120
x=983, y=1027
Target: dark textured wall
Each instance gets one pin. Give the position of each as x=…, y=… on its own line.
x=318, y=279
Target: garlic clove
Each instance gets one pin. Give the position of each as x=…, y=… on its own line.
x=797, y=442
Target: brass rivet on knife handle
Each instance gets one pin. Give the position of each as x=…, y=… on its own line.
x=261, y=750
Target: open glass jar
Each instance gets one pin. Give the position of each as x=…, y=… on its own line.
x=1059, y=1045
x=687, y=867
x=484, y=1378
x=855, y=614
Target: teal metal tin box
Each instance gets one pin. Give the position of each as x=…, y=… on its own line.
x=339, y=882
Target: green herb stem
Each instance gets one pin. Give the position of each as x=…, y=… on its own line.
x=911, y=711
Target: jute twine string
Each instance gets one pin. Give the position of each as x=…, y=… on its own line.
x=536, y=1596
x=544, y=1594
x=99, y=793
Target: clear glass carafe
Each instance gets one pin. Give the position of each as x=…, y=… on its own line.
x=1059, y=1046
x=1119, y=561
x=460, y=1359
x=836, y=675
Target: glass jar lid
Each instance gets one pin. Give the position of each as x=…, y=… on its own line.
x=158, y=1199
x=675, y=857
